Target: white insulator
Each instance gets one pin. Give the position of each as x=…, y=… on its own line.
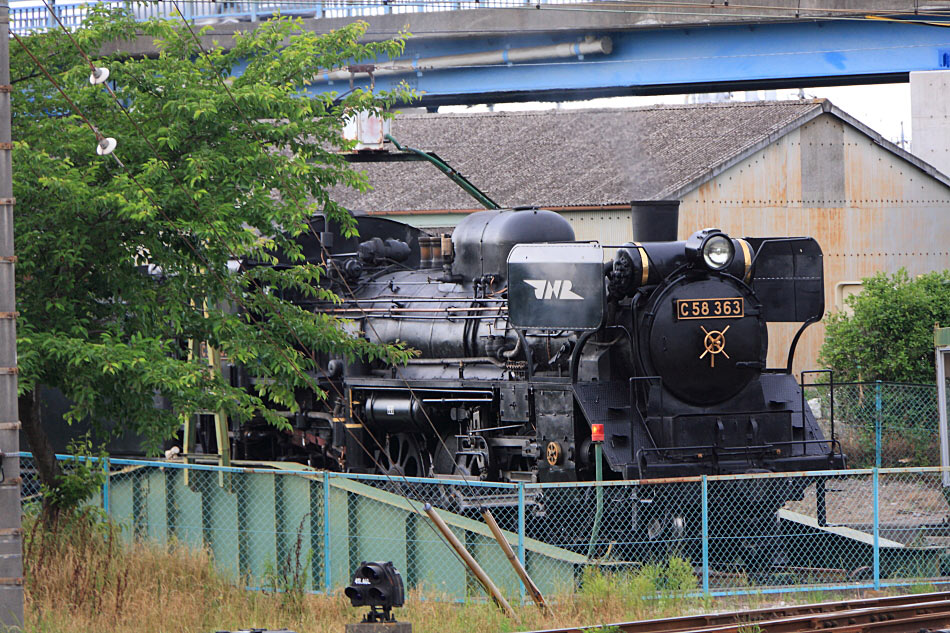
x=99, y=75
x=106, y=146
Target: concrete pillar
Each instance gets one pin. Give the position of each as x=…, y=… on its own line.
x=930, y=117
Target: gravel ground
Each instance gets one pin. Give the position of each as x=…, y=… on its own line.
x=905, y=501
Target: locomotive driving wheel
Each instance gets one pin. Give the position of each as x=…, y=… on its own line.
x=405, y=456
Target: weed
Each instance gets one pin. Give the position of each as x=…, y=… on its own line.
x=290, y=579
x=86, y=575
x=922, y=587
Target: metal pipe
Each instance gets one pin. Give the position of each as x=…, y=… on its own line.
x=513, y=559
x=513, y=353
x=876, y=514
x=473, y=360
x=410, y=310
x=469, y=561
x=591, y=46
x=599, y=494
x=406, y=298
x=878, y=412
x=704, y=493
x=11, y=546
x=941, y=358
x=453, y=175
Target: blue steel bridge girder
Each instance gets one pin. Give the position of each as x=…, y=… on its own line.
x=671, y=60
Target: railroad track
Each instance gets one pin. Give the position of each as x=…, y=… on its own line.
x=897, y=614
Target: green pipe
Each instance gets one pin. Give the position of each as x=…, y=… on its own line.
x=599, y=477
x=444, y=167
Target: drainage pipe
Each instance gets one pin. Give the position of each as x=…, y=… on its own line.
x=589, y=46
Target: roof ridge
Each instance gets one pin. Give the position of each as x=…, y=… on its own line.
x=616, y=110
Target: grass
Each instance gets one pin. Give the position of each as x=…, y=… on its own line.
x=81, y=576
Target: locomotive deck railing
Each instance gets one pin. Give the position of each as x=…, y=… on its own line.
x=30, y=15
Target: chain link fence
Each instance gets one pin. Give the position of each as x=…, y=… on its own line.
x=296, y=528
x=308, y=530
x=879, y=424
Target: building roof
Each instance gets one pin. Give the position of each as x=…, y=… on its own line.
x=582, y=158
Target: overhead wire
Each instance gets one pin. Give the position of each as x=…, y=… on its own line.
x=595, y=62
x=253, y=131
x=623, y=3
x=613, y=6
x=191, y=246
x=390, y=7
x=233, y=296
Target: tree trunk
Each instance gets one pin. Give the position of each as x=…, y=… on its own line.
x=44, y=459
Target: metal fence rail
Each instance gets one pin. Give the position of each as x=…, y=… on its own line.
x=28, y=15
x=884, y=522
x=714, y=535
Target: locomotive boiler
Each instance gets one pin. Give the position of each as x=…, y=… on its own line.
x=531, y=346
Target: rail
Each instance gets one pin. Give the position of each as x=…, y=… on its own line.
x=897, y=612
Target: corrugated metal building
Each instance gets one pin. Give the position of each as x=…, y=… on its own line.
x=755, y=169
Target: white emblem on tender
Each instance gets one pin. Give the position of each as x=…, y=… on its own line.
x=553, y=289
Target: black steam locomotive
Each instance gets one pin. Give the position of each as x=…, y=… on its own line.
x=533, y=346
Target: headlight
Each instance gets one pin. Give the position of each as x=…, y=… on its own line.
x=718, y=252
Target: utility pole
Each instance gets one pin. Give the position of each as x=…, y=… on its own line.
x=11, y=532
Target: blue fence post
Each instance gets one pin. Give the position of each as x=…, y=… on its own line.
x=705, y=509
x=876, y=529
x=521, y=530
x=878, y=408
x=326, y=531
x=105, y=485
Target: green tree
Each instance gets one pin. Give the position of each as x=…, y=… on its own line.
x=889, y=335
x=123, y=258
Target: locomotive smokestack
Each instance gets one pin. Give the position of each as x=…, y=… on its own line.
x=654, y=220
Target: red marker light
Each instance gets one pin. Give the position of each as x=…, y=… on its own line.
x=597, y=432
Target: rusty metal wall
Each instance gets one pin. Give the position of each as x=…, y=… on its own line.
x=869, y=209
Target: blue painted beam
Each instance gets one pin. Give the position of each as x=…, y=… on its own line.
x=674, y=60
